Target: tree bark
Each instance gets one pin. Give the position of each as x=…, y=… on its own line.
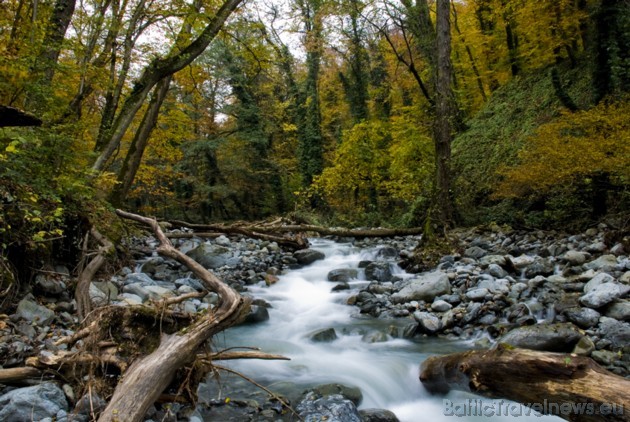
x=15, y=375
x=156, y=71
x=148, y=376
x=82, y=291
x=445, y=115
x=561, y=381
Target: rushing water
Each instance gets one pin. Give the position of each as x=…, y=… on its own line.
x=386, y=372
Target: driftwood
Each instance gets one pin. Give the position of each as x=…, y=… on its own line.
x=570, y=386
x=147, y=377
x=82, y=291
x=13, y=375
x=290, y=242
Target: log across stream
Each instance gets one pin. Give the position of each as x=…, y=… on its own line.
x=363, y=355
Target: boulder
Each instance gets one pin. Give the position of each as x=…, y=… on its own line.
x=378, y=271
x=545, y=337
x=617, y=332
x=211, y=256
x=35, y=403
x=582, y=317
x=378, y=415
x=347, y=392
x=428, y=323
x=342, y=274
x=426, y=287
x=325, y=335
x=603, y=294
x=49, y=285
x=603, y=263
x=308, y=256
x=332, y=408
x=619, y=310
x=30, y=311
x=141, y=278
x=440, y=306
x=573, y=257
x=256, y=314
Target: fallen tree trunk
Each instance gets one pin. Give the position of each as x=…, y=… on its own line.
x=148, y=377
x=570, y=386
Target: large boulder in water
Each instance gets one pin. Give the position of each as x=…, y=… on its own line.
x=426, y=287
x=378, y=271
x=308, y=256
x=342, y=274
x=378, y=415
x=545, y=337
x=334, y=408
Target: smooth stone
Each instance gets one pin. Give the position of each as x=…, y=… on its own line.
x=378, y=415
x=325, y=335
x=426, y=287
x=617, y=332
x=574, y=257
x=158, y=292
x=477, y=294
x=441, y=306
x=211, y=256
x=602, y=295
x=604, y=357
x=130, y=299
x=308, y=256
x=604, y=262
x=256, y=315
x=378, y=271
x=500, y=286
x=475, y=252
x=522, y=261
x=139, y=278
x=619, y=310
x=493, y=261
x=342, y=274
x=497, y=271
x=332, y=408
x=600, y=278
x=351, y=393
x=137, y=289
x=374, y=337
x=546, y=337
x=583, y=317
x=428, y=323
x=584, y=347
x=49, y=285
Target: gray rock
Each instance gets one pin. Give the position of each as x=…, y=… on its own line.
x=475, y=252
x=30, y=311
x=351, y=393
x=604, y=357
x=88, y=404
x=223, y=241
x=547, y=337
x=130, y=299
x=342, y=274
x=374, y=337
x=583, y=317
x=378, y=415
x=617, y=332
x=308, y=256
x=159, y=292
x=522, y=261
x=140, y=278
x=500, y=286
x=477, y=294
x=195, y=284
x=472, y=312
x=617, y=250
x=493, y=260
x=603, y=263
x=440, y=306
x=428, y=323
x=497, y=271
x=35, y=403
x=600, y=278
x=387, y=252
x=619, y=310
x=138, y=290
x=584, y=347
x=602, y=295
x=210, y=256
x=574, y=257
x=340, y=287
x=49, y=285
x=256, y=314
x=426, y=287
x=597, y=247
x=378, y=271
x=542, y=267
x=329, y=408
x=325, y=335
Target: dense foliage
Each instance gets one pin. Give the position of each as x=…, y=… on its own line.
x=212, y=110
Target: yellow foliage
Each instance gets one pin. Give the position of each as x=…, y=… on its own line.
x=573, y=146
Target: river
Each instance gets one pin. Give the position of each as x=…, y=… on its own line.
x=386, y=371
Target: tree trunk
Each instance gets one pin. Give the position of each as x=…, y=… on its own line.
x=156, y=71
x=444, y=116
x=561, y=382
x=134, y=155
x=82, y=291
x=149, y=376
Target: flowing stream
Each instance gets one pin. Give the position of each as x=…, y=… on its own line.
x=385, y=371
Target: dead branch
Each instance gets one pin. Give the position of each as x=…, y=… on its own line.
x=243, y=354
x=13, y=375
x=82, y=292
x=529, y=376
x=148, y=376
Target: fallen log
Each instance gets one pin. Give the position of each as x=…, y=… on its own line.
x=13, y=375
x=570, y=386
x=147, y=377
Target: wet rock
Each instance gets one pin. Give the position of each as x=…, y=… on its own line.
x=472, y=313
x=574, y=257
x=582, y=317
x=378, y=271
x=342, y=274
x=130, y=299
x=308, y=256
x=341, y=287
x=256, y=314
x=374, y=337
x=428, y=323
x=377, y=415
x=140, y=278
x=325, y=335
x=49, y=285
x=584, y=347
x=210, y=255
x=35, y=403
x=500, y=286
x=351, y=393
x=604, y=357
x=475, y=252
x=493, y=261
x=542, y=267
x=603, y=263
x=497, y=271
x=387, y=252
x=30, y=311
x=616, y=332
x=477, y=294
x=332, y=408
x=547, y=337
x=425, y=287
x=138, y=290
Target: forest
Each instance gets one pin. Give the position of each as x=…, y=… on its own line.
x=429, y=114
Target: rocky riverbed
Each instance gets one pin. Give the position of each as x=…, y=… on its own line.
x=539, y=290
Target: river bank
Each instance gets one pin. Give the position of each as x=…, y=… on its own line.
x=541, y=290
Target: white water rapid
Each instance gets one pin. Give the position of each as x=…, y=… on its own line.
x=386, y=372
